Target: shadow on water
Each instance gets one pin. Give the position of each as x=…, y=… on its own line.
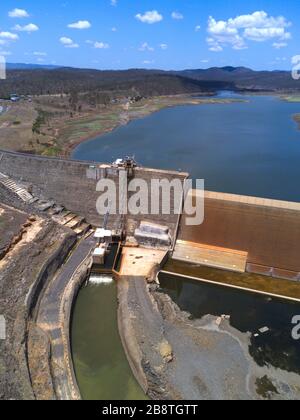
x=101, y=366
x=249, y=312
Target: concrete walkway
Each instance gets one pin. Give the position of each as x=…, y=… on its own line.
x=210, y=256
x=140, y=262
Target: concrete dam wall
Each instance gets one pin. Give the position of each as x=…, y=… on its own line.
x=73, y=184
x=268, y=230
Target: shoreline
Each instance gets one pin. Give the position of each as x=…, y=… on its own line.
x=296, y=118
x=152, y=106
x=60, y=136
x=64, y=139
x=184, y=100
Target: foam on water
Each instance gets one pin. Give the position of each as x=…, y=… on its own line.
x=98, y=279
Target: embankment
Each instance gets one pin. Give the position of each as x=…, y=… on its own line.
x=21, y=279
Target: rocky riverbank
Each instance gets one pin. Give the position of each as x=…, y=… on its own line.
x=175, y=357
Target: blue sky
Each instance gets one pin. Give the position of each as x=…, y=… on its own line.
x=167, y=34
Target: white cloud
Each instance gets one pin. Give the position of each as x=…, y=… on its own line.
x=114, y=29
x=258, y=27
x=150, y=17
x=81, y=24
x=279, y=45
x=72, y=46
x=9, y=36
x=177, y=16
x=147, y=62
x=197, y=28
x=5, y=53
x=31, y=27
x=295, y=59
x=146, y=47
x=18, y=13
x=264, y=34
x=101, y=45
x=68, y=42
x=98, y=45
x=164, y=46
x=216, y=48
x=259, y=20
x=40, y=54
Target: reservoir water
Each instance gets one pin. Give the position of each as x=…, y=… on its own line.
x=250, y=148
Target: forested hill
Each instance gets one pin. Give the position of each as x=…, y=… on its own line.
x=129, y=82
x=245, y=78
x=32, y=80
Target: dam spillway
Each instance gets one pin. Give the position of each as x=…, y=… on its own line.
x=267, y=230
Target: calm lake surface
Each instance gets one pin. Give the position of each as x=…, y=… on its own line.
x=248, y=148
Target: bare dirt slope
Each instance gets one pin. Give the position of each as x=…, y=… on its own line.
x=16, y=126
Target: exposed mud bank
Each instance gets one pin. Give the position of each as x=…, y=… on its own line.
x=174, y=357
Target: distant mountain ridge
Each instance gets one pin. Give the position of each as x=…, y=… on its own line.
x=28, y=66
x=38, y=79
x=245, y=78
